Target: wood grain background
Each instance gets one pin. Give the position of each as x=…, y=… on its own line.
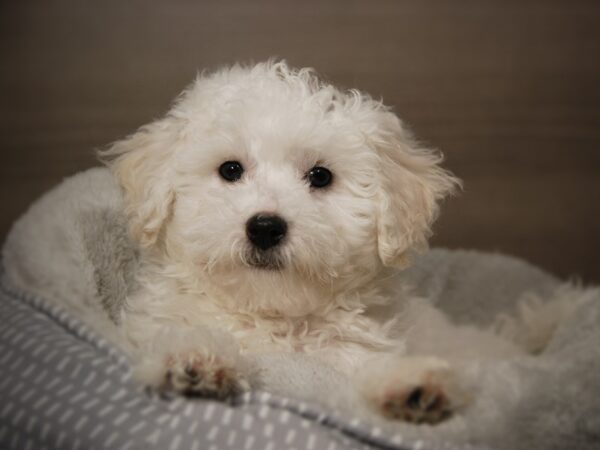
x=509, y=90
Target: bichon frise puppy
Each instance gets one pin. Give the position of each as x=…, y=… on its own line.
x=272, y=211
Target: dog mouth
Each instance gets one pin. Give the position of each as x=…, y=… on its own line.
x=270, y=259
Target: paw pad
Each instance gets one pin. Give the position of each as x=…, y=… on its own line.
x=200, y=375
x=427, y=403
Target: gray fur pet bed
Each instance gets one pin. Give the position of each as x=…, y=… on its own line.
x=62, y=386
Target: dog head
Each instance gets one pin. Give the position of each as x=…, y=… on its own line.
x=278, y=191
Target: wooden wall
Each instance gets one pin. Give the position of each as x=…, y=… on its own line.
x=509, y=90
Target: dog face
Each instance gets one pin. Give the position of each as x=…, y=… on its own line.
x=277, y=191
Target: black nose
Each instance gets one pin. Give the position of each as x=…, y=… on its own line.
x=265, y=231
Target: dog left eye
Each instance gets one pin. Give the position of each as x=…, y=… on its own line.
x=319, y=177
x=231, y=171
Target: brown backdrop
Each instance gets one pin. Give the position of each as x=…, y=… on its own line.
x=509, y=90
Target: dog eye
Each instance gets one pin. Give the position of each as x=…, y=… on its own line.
x=319, y=177
x=231, y=171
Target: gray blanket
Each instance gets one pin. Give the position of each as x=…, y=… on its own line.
x=64, y=387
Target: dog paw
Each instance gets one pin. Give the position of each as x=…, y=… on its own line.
x=416, y=390
x=424, y=403
x=201, y=374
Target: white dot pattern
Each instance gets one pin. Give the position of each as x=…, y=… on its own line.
x=63, y=387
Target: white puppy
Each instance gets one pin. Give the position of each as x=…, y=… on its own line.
x=272, y=211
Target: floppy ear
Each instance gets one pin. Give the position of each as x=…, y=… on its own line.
x=412, y=183
x=141, y=164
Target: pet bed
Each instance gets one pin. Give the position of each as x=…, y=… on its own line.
x=63, y=386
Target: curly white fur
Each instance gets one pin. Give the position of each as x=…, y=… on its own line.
x=335, y=295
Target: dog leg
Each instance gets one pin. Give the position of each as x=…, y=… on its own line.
x=413, y=389
x=193, y=362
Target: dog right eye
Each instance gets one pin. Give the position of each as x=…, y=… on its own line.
x=231, y=171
